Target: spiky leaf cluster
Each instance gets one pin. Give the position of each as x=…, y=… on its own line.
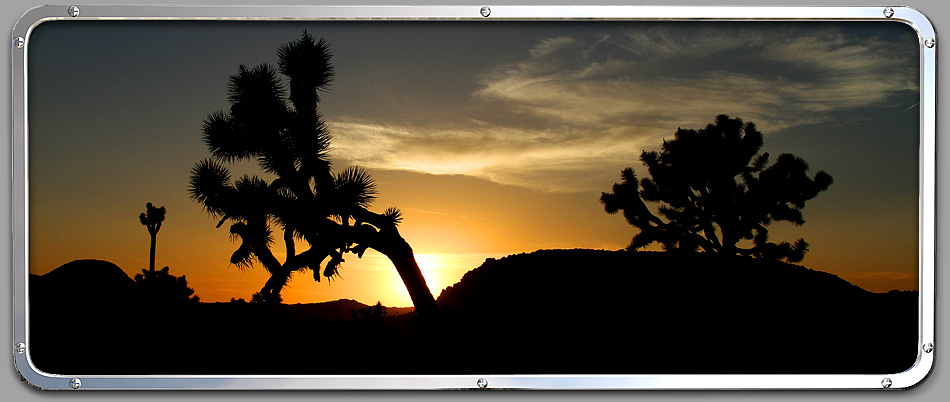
x=152, y=218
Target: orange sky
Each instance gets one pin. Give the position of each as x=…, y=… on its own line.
x=453, y=224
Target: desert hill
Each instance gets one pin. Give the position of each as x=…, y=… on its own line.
x=585, y=277
x=652, y=312
x=83, y=281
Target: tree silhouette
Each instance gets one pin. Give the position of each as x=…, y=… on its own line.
x=714, y=190
x=161, y=287
x=285, y=133
x=375, y=312
x=152, y=219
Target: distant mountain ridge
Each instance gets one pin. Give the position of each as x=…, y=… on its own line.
x=336, y=310
x=91, y=281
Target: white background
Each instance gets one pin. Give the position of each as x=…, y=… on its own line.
x=936, y=387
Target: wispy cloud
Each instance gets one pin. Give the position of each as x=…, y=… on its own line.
x=587, y=103
x=777, y=78
x=531, y=158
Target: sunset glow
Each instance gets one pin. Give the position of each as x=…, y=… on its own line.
x=490, y=143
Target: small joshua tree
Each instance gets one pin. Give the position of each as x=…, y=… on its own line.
x=152, y=219
x=160, y=286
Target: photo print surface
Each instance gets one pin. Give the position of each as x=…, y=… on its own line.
x=425, y=197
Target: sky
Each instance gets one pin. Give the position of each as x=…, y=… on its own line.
x=492, y=137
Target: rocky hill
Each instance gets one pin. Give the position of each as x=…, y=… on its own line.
x=652, y=312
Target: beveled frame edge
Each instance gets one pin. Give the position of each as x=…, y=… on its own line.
x=927, y=198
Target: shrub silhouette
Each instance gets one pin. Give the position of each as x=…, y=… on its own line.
x=152, y=219
x=376, y=312
x=714, y=190
x=260, y=298
x=286, y=134
x=161, y=287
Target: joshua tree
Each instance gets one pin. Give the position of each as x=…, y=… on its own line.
x=285, y=133
x=152, y=218
x=703, y=205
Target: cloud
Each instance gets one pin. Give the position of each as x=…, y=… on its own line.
x=777, y=78
x=535, y=159
x=579, y=107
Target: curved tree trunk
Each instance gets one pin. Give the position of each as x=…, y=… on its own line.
x=279, y=272
x=393, y=246
x=381, y=235
x=390, y=243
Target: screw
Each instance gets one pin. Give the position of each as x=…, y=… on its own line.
x=482, y=383
x=73, y=11
x=888, y=12
x=886, y=383
x=75, y=383
x=20, y=348
x=19, y=42
x=485, y=11
x=929, y=347
x=930, y=42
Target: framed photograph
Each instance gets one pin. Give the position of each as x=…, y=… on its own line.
x=473, y=197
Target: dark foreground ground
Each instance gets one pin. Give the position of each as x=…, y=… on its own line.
x=548, y=312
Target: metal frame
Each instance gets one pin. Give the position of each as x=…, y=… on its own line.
x=19, y=42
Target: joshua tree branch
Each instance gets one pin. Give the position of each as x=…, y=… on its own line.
x=710, y=233
x=746, y=251
x=266, y=257
x=311, y=258
x=708, y=246
x=289, y=244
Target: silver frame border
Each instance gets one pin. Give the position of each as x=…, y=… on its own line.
x=927, y=198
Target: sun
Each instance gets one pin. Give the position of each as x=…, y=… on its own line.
x=430, y=266
x=439, y=270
